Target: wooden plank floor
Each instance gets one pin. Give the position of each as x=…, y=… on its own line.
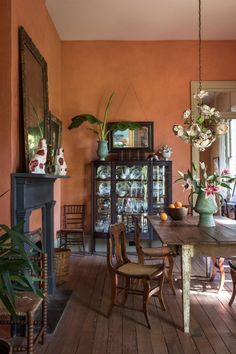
x=85, y=329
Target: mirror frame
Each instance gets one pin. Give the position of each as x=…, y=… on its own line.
x=148, y=148
x=26, y=43
x=55, y=127
x=217, y=86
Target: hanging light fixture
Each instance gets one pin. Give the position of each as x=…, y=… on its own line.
x=201, y=127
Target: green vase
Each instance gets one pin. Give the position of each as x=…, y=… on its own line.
x=206, y=207
x=102, y=150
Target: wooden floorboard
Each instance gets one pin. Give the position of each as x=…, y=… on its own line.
x=85, y=328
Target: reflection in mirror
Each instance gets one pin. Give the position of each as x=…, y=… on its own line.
x=140, y=138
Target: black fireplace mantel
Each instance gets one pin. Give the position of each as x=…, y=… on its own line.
x=31, y=192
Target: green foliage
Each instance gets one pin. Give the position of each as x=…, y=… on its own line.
x=102, y=127
x=17, y=271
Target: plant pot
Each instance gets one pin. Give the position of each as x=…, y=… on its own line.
x=206, y=207
x=5, y=347
x=102, y=150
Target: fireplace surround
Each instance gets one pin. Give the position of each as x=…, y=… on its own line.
x=31, y=192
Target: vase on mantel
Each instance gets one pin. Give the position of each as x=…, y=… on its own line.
x=102, y=150
x=206, y=208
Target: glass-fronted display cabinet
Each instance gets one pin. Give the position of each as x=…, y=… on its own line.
x=122, y=189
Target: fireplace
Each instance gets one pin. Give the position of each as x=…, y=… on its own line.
x=30, y=192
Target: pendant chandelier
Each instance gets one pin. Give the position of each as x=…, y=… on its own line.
x=200, y=128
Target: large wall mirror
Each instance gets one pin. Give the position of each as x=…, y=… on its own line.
x=222, y=153
x=138, y=139
x=34, y=94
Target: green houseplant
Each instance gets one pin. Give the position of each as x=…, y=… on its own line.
x=17, y=270
x=102, y=129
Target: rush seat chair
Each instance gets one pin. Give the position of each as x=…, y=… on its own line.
x=125, y=274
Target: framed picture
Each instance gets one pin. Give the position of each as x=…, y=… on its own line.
x=216, y=164
x=138, y=139
x=34, y=81
x=55, y=133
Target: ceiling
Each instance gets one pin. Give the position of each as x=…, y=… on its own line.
x=142, y=19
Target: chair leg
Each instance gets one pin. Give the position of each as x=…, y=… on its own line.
x=233, y=275
x=114, y=283
x=44, y=320
x=159, y=294
x=83, y=240
x=222, y=273
x=127, y=284
x=169, y=273
x=30, y=337
x=146, y=291
x=213, y=274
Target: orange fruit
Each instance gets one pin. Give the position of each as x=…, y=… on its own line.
x=171, y=206
x=178, y=204
x=163, y=216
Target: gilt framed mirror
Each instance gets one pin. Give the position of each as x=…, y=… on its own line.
x=34, y=82
x=138, y=139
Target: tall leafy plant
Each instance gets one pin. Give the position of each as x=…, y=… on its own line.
x=103, y=128
x=17, y=271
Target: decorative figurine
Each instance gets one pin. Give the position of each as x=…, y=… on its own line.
x=60, y=164
x=166, y=152
x=38, y=161
x=153, y=157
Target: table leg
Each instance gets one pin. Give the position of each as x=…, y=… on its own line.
x=187, y=251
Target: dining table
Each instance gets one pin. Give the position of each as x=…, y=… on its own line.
x=192, y=240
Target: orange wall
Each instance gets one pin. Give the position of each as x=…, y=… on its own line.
x=33, y=16
x=151, y=81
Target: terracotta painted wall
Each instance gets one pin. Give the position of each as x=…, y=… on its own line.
x=151, y=81
x=33, y=16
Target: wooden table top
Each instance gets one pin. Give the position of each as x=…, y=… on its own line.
x=186, y=232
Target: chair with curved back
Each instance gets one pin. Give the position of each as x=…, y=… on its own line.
x=164, y=253
x=232, y=264
x=122, y=269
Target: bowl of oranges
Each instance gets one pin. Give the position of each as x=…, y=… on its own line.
x=177, y=211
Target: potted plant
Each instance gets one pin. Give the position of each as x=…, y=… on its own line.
x=17, y=270
x=102, y=130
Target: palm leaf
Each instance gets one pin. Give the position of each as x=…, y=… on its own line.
x=81, y=118
x=124, y=125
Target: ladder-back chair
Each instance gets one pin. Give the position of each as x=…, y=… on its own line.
x=73, y=229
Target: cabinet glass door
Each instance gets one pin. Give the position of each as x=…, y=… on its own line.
x=132, y=194
x=103, y=198
x=160, y=194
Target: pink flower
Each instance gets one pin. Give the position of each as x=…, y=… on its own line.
x=225, y=172
x=211, y=189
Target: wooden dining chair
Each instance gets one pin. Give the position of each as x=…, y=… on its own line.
x=27, y=306
x=122, y=269
x=163, y=253
x=72, y=232
x=232, y=264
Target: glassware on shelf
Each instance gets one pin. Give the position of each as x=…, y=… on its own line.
x=103, y=205
x=103, y=172
x=123, y=189
x=104, y=189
